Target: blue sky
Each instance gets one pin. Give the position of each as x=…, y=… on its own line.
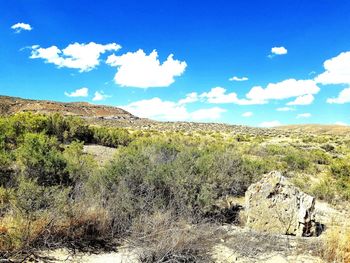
x=259, y=63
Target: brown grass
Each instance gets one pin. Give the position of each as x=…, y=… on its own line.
x=337, y=244
x=162, y=238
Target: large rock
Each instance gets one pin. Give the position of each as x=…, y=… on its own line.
x=274, y=205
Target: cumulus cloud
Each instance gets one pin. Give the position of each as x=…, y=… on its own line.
x=337, y=70
x=83, y=92
x=285, y=109
x=19, y=27
x=283, y=90
x=139, y=70
x=99, y=95
x=277, y=51
x=302, y=100
x=302, y=90
x=84, y=57
x=235, y=78
x=158, y=109
x=247, y=114
x=343, y=97
x=190, y=98
x=268, y=124
x=303, y=115
x=218, y=95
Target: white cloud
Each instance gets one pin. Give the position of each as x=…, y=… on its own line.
x=285, y=109
x=290, y=88
x=337, y=70
x=207, y=114
x=283, y=90
x=275, y=51
x=99, y=95
x=343, y=97
x=247, y=114
x=268, y=124
x=157, y=109
x=21, y=26
x=218, y=95
x=303, y=115
x=83, y=92
x=235, y=78
x=140, y=70
x=340, y=123
x=190, y=98
x=302, y=100
x=84, y=57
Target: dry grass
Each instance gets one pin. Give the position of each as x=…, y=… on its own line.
x=337, y=244
x=163, y=238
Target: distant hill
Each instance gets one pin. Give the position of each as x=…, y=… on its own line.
x=114, y=116
x=317, y=129
x=12, y=105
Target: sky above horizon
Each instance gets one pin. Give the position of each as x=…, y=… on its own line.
x=257, y=63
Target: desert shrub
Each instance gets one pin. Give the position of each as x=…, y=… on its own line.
x=161, y=237
x=40, y=158
x=67, y=129
x=154, y=174
x=5, y=197
x=340, y=168
x=111, y=137
x=319, y=157
x=336, y=247
x=297, y=160
x=35, y=209
x=243, y=138
x=14, y=127
x=6, y=172
x=324, y=189
x=328, y=147
x=30, y=198
x=274, y=149
x=79, y=165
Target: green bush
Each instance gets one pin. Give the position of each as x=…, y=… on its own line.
x=111, y=137
x=340, y=168
x=297, y=160
x=67, y=129
x=79, y=165
x=40, y=158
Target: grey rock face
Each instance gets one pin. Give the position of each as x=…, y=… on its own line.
x=274, y=205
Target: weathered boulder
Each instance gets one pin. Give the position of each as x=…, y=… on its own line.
x=275, y=205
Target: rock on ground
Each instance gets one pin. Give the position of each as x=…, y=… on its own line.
x=274, y=205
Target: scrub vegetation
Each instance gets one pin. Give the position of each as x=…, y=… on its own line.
x=159, y=191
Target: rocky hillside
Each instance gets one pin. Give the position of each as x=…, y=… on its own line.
x=11, y=105
x=117, y=117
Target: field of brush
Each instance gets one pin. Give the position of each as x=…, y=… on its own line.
x=65, y=183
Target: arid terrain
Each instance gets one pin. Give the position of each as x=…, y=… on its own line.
x=91, y=183
x=117, y=117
